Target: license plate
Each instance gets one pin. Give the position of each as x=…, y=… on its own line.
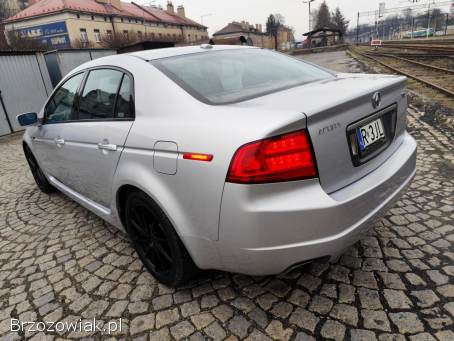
x=370, y=134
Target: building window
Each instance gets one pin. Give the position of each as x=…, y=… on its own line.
x=139, y=35
x=92, y=17
x=129, y=20
x=152, y=35
x=126, y=34
x=121, y=19
x=83, y=35
x=97, y=36
x=105, y=18
x=109, y=34
x=78, y=16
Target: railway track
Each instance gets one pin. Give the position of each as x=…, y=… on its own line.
x=448, y=48
x=428, y=66
x=438, y=78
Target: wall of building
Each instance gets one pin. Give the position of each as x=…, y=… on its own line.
x=75, y=22
x=260, y=40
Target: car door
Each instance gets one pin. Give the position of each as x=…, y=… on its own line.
x=94, y=142
x=58, y=112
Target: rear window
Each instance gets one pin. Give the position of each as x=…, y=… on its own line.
x=223, y=77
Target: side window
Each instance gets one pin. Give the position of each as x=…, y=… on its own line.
x=99, y=95
x=124, y=100
x=60, y=106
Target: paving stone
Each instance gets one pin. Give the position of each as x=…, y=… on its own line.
x=299, y=298
x=320, y=304
x=259, y=316
x=142, y=323
x=392, y=281
x=190, y=308
x=375, y=319
x=426, y=298
x=215, y=331
x=437, y=277
x=304, y=319
x=446, y=290
x=362, y=335
x=345, y=313
x=407, y=323
x=445, y=335
x=333, y=330
x=239, y=326
x=223, y=312
x=166, y=317
x=282, y=310
x=160, y=335
x=277, y=332
x=182, y=330
x=370, y=299
x=364, y=279
x=422, y=337
x=397, y=299
x=202, y=320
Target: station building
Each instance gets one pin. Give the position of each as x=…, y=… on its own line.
x=243, y=33
x=88, y=23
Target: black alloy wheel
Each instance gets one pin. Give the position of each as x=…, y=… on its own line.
x=40, y=179
x=156, y=241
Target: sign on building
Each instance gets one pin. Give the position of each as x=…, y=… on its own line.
x=55, y=34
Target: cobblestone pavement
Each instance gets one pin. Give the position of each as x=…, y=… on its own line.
x=58, y=262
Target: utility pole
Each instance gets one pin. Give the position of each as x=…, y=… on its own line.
x=357, y=29
x=310, y=16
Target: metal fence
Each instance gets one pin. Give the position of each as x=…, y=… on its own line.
x=27, y=79
x=60, y=62
x=24, y=86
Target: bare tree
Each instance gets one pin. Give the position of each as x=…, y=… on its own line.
x=81, y=44
x=118, y=40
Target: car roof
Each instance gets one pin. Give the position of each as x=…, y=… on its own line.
x=149, y=55
x=179, y=51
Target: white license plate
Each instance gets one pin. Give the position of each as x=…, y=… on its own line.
x=370, y=133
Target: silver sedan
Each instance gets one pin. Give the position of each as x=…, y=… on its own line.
x=222, y=157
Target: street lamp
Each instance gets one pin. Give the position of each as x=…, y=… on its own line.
x=310, y=17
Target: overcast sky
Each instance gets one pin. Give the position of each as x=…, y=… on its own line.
x=256, y=11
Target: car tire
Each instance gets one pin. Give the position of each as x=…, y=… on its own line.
x=38, y=175
x=156, y=242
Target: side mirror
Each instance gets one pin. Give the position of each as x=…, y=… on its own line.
x=27, y=119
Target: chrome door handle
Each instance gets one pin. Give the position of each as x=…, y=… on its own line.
x=107, y=146
x=59, y=141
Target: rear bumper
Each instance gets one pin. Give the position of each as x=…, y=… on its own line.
x=265, y=229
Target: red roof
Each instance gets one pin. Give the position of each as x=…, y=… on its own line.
x=129, y=10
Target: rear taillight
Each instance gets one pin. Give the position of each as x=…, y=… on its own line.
x=282, y=158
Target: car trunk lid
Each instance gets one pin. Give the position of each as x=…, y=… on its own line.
x=332, y=107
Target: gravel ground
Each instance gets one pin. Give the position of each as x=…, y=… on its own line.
x=59, y=262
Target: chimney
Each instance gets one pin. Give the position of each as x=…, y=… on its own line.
x=181, y=12
x=243, y=25
x=170, y=7
x=113, y=3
